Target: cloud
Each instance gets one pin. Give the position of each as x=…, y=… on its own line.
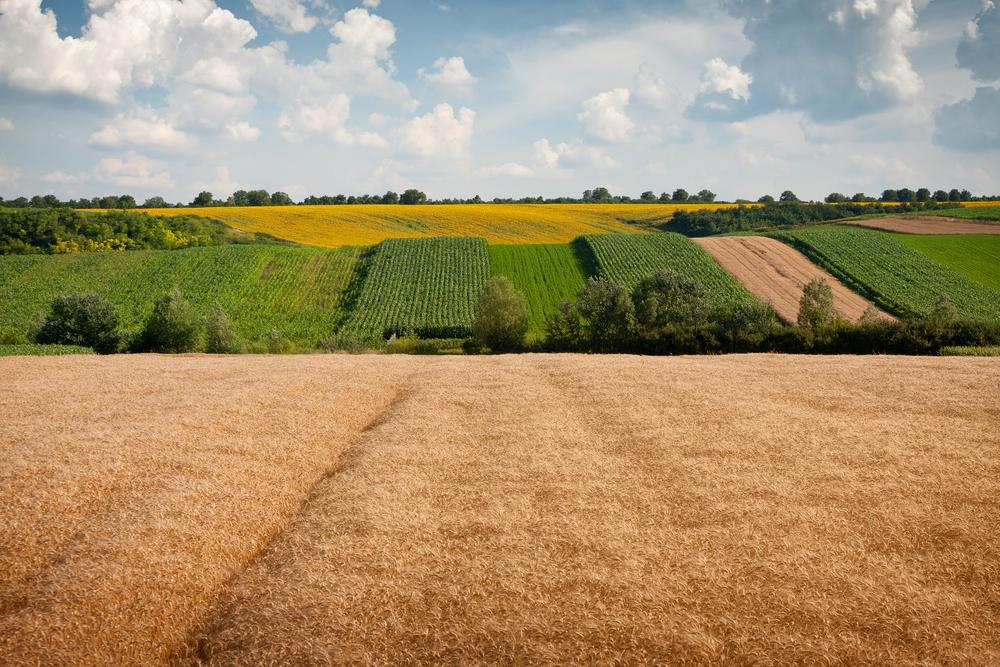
x=833, y=59
x=9, y=175
x=141, y=127
x=449, y=73
x=577, y=154
x=61, y=177
x=133, y=171
x=327, y=119
x=439, y=133
x=221, y=185
x=979, y=48
x=511, y=169
x=371, y=4
x=287, y=15
x=5, y=124
x=604, y=116
x=653, y=91
x=971, y=125
x=242, y=132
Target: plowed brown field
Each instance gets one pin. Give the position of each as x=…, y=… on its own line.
x=525, y=509
x=928, y=225
x=776, y=272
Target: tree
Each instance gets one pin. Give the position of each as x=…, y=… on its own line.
x=601, y=194
x=965, y=195
x=607, y=313
x=668, y=299
x=766, y=199
x=906, y=195
x=82, y=319
x=923, y=195
x=588, y=195
x=648, y=196
x=241, y=198
x=51, y=201
x=889, y=196
x=173, y=325
x=788, y=197
x=940, y=196
x=390, y=197
x=816, y=306
x=109, y=202
x=706, y=196
x=126, y=202
x=258, y=198
x=835, y=198
x=859, y=197
x=220, y=338
x=680, y=195
x=281, y=199
x=501, y=316
x=155, y=202
x=944, y=310
x=204, y=198
x=664, y=197
x=413, y=196
x=954, y=195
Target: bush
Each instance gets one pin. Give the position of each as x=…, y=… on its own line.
x=220, y=338
x=607, y=316
x=816, y=306
x=277, y=343
x=501, y=316
x=85, y=320
x=669, y=299
x=172, y=327
x=11, y=336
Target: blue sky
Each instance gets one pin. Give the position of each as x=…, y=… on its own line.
x=744, y=97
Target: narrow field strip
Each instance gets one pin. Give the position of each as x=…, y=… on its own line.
x=777, y=273
x=930, y=225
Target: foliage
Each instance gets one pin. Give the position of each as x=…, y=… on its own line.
x=501, y=316
x=601, y=320
x=429, y=286
x=172, y=327
x=220, y=337
x=892, y=275
x=628, y=259
x=546, y=274
x=26, y=231
x=410, y=343
x=37, y=350
x=816, y=306
x=84, y=320
x=967, y=351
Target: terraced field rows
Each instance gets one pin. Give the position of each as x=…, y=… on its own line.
x=891, y=274
x=975, y=257
x=545, y=274
x=627, y=259
x=430, y=286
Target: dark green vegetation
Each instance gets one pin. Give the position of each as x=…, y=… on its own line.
x=972, y=255
x=627, y=259
x=297, y=291
x=893, y=275
x=971, y=213
x=546, y=274
x=501, y=322
x=778, y=215
x=993, y=351
x=84, y=320
x=30, y=231
x=36, y=350
x=428, y=286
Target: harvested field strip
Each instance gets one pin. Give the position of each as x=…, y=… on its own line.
x=777, y=273
x=927, y=225
x=525, y=509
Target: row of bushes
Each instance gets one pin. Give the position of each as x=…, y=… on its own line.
x=778, y=215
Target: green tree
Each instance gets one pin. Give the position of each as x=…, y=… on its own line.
x=204, y=198
x=391, y=197
x=258, y=198
x=940, y=196
x=241, y=198
x=648, y=196
x=706, y=196
x=608, y=315
x=923, y=195
x=82, y=319
x=126, y=202
x=220, y=337
x=906, y=195
x=281, y=199
x=835, y=198
x=173, y=326
x=680, y=196
x=501, y=316
x=155, y=202
x=954, y=195
x=412, y=196
x=766, y=199
x=944, y=310
x=669, y=299
x=601, y=194
x=816, y=306
x=788, y=196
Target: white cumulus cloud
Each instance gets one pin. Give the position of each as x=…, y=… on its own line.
x=327, y=119
x=721, y=77
x=141, y=127
x=604, y=116
x=449, y=73
x=133, y=171
x=287, y=15
x=439, y=133
x=242, y=131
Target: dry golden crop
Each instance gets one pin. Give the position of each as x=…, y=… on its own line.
x=525, y=509
x=355, y=225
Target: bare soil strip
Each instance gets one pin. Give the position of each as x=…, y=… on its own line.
x=525, y=509
x=928, y=225
x=776, y=272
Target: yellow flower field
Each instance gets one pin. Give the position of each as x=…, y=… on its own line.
x=333, y=226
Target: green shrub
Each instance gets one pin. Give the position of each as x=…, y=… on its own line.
x=220, y=337
x=816, y=309
x=278, y=343
x=11, y=336
x=85, y=320
x=501, y=316
x=172, y=327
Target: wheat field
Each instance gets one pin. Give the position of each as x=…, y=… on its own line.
x=499, y=510
x=355, y=225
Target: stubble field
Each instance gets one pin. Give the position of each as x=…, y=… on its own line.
x=499, y=510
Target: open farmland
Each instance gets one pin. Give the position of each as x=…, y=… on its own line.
x=545, y=274
x=352, y=225
x=893, y=275
x=299, y=291
x=929, y=225
x=777, y=273
x=627, y=259
x=987, y=211
x=212, y=514
x=429, y=286
x=976, y=257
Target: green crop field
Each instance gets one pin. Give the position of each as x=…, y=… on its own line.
x=546, y=274
x=627, y=259
x=893, y=275
x=969, y=213
x=296, y=290
x=33, y=350
x=429, y=286
x=975, y=256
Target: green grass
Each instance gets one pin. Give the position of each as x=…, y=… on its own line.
x=429, y=286
x=970, y=352
x=975, y=256
x=546, y=274
x=628, y=259
x=893, y=275
x=32, y=350
x=296, y=290
x=969, y=213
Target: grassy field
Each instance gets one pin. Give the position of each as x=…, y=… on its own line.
x=430, y=286
x=972, y=211
x=532, y=509
x=893, y=275
x=32, y=350
x=296, y=290
x=356, y=225
x=546, y=274
x=627, y=259
x=974, y=256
